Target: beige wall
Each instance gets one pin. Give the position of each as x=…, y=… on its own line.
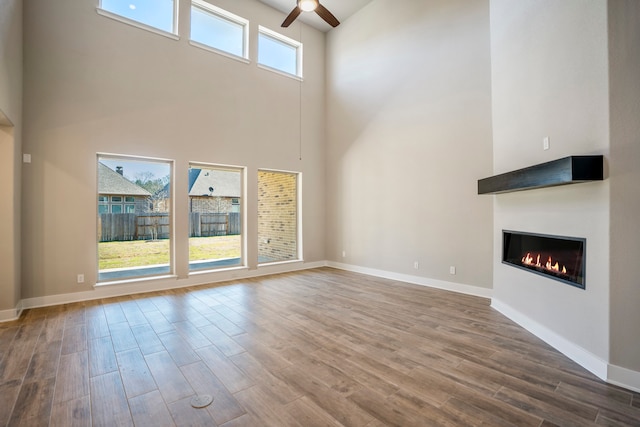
x=93, y=84
x=550, y=78
x=624, y=60
x=409, y=134
x=10, y=153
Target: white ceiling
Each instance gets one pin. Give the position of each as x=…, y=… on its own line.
x=341, y=9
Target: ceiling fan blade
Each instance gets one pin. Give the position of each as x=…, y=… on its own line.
x=324, y=13
x=292, y=16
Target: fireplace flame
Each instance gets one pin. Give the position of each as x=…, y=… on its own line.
x=549, y=265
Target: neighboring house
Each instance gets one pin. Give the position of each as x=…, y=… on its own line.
x=116, y=194
x=210, y=191
x=213, y=190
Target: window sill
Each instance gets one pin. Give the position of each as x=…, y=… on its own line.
x=291, y=261
x=218, y=270
x=136, y=24
x=282, y=73
x=219, y=52
x=135, y=280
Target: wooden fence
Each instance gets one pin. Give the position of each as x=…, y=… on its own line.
x=115, y=227
x=213, y=224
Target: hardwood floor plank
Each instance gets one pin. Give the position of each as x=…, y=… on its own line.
x=73, y=377
x=261, y=405
x=192, y=335
x=224, y=324
x=134, y=315
x=147, y=339
x=73, y=413
x=260, y=374
x=246, y=420
x=136, y=377
x=229, y=374
x=52, y=332
x=122, y=337
x=97, y=326
x=390, y=413
x=158, y=322
x=33, y=405
x=573, y=414
x=224, y=407
x=185, y=415
x=178, y=348
x=308, y=414
x=149, y=410
x=613, y=403
x=16, y=361
x=171, y=382
x=113, y=312
x=343, y=410
x=44, y=363
x=75, y=339
x=102, y=357
x=109, y=406
x=9, y=392
x=221, y=340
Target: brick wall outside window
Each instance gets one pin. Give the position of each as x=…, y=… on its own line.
x=277, y=216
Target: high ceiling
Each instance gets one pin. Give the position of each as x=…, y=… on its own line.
x=342, y=9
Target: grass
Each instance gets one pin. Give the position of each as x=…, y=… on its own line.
x=139, y=253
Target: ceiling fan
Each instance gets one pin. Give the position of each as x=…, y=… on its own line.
x=310, y=6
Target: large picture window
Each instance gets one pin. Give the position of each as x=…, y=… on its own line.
x=154, y=14
x=134, y=218
x=215, y=217
x=278, y=217
x=215, y=28
x=279, y=53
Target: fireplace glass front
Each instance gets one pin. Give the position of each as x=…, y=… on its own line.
x=556, y=257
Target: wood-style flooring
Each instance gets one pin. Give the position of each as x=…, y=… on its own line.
x=320, y=347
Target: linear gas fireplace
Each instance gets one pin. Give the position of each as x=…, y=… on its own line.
x=556, y=257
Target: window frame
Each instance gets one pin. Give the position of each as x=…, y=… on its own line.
x=138, y=24
x=171, y=221
x=242, y=170
x=225, y=15
x=279, y=38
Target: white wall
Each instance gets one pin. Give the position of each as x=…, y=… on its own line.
x=550, y=78
x=93, y=84
x=10, y=153
x=409, y=134
x=624, y=59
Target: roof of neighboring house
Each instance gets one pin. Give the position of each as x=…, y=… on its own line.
x=111, y=182
x=224, y=183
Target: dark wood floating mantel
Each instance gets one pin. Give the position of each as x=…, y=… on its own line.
x=568, y=170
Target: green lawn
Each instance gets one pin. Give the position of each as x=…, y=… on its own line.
x=139, y=253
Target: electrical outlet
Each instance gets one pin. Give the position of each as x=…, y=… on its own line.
x=80, y=278
x=416, y=265
x=452, y=270
x=545, y=143
x=344, y=254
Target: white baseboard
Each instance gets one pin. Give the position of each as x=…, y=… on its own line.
x=416, y=280
x=612, y=374
x=11, y=314
x=624, y=377
x=170, y=282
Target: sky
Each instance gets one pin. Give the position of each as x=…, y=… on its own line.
x=132, y=168
x=157, y=13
